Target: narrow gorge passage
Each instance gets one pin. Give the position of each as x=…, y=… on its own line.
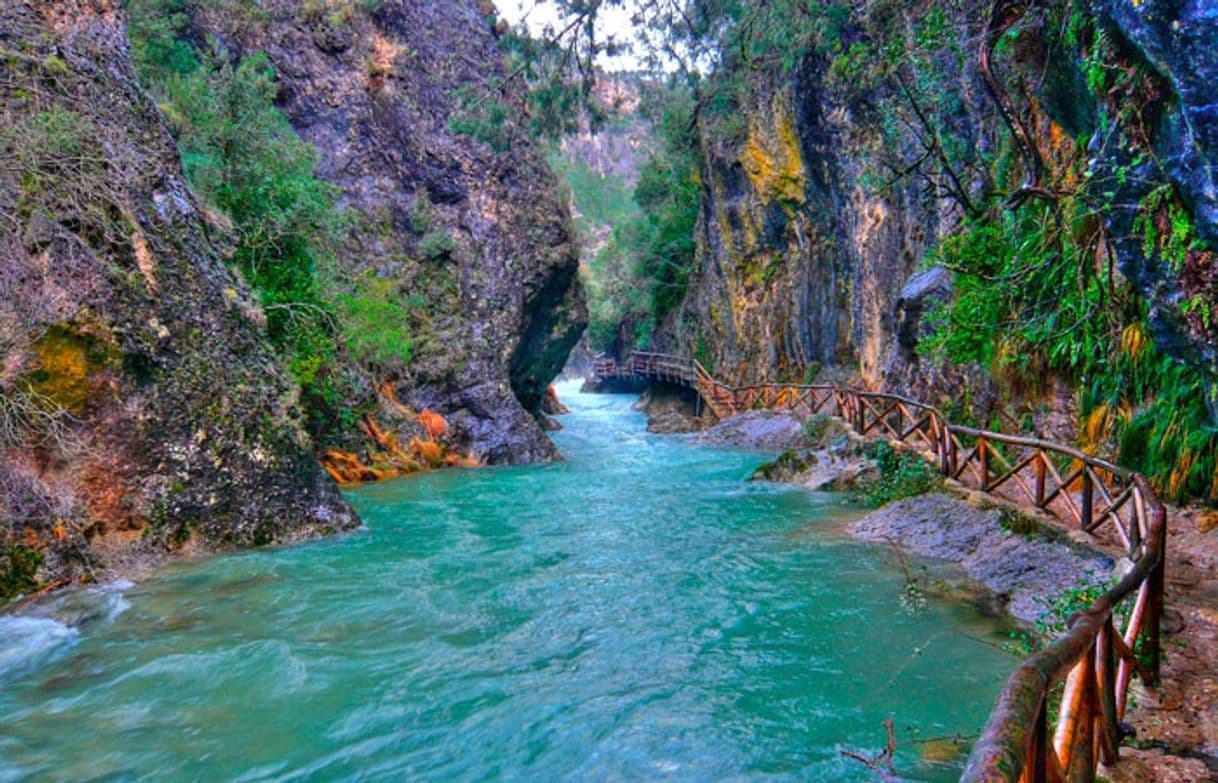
x=636, y=612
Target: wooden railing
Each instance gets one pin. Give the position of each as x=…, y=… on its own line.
x=1100, y=653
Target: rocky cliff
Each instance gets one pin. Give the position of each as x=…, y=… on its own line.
x=457, y=213
x=142, y=408
x=845, y=194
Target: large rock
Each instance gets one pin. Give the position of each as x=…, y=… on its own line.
x=118, y=316
x=761, y=429
x=1180, y=40
x=1028, y=571
x=469, y=224
x=670, y=409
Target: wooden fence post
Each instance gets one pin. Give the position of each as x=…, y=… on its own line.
x=1154, y=602
x=1036, y=767
x=1087, y=499
x=945, y=439
x=984, y=457
x=1040, y=479
x=1110, y=733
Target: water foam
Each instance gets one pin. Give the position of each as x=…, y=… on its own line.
x=26, y=642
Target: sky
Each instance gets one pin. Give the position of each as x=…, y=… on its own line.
x=614, y=21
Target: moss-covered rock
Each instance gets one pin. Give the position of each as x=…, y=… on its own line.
x=148, y=408
x=460, y=224
x=18, y=570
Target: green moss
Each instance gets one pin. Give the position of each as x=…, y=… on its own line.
x=772, y=159
x=1018, y=523
x=18, y=571
x=902, y=474
x=67, y=362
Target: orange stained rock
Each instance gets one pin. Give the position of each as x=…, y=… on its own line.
x=390, y=460
x=389, y=394
x=346, y=468
x=433, y=423
x=373, y=430
x=455, y=459
x=429, y=451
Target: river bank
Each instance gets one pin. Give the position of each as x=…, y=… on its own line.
x=998, y=558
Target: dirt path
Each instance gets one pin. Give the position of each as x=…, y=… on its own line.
x=1177, y=740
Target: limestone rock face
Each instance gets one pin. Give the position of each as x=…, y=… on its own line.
x=142, y=406
x=805, y=261
x=798, y=265
x=1179, y=42
x=465, y=224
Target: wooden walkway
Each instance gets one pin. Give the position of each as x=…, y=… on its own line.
x=1104, y=646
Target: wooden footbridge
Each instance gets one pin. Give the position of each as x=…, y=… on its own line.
x=1104, y=646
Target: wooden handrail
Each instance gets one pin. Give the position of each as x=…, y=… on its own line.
x=1096, y=660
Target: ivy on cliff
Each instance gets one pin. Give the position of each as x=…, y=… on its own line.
x=1039, y=294
x=246, y=163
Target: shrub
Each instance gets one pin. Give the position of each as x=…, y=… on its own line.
x=374, y=322
x=436, y=245
x=18, y=569
x=244, y=159
x=902, y=474
x=816, y=426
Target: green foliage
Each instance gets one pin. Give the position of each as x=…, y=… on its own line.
x=642, y=271
x=1031, y=303
x=600, y=200
x=481, y=116
x=614, y=294
x=157, y=31
x=1052, y=622
x=245, y=161
x=422, y=214
x=374, y=322
x=436, y=245
x=18, y=569
x=668, y=193
x=902, y=474
x=1177, y=236
x=607, y=219
x=816, y=426
x=56, y=155
x=557, y=88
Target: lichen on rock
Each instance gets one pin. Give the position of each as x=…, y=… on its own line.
x=164, y=414
x=458, y=229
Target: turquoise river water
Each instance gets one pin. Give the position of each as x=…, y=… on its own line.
x=636, y=612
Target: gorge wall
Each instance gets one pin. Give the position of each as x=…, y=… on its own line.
x=461, y=226
x=142, y=406
x=144, y=409
x=842, y=193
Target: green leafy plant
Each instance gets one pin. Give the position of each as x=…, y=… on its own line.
x=244, y=160
x=374, y=323
x=436, y=245
x=816, y=426
x=902, y=474
x=18, y=568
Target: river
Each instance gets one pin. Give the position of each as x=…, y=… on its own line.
x=636, y=612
